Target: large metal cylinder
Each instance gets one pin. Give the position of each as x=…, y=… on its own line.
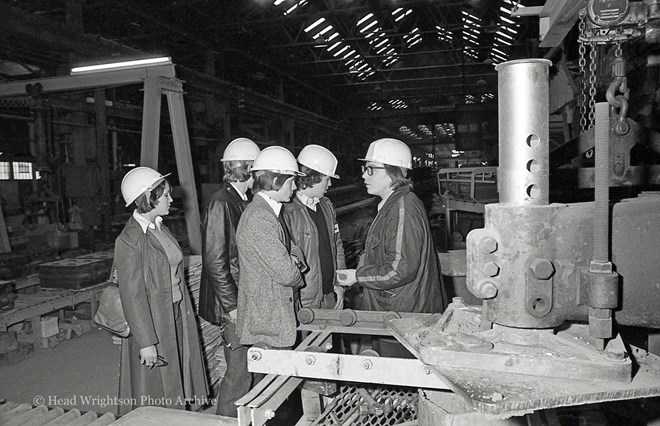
x=523, y=175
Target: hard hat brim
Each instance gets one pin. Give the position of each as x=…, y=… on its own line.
x=152, y=186
x=394, y=165
x=282, y=172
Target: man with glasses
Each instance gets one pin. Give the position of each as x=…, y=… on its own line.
x=399, y=268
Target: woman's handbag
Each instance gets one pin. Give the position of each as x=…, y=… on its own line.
x=110, y=313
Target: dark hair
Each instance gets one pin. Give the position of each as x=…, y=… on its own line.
x=398, y=176
x=237, y=170
x=266, y=180
x=311, y=178
x=148, y=200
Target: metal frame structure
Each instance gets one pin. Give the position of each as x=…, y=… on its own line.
x=288, y=369
x=157, y=80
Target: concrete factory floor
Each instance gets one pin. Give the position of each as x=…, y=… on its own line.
x=81, y=373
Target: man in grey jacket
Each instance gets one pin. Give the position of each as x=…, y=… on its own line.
x=270, y=274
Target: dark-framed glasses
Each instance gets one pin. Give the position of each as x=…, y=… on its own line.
x=370, y=169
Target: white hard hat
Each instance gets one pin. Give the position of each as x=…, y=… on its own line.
x=277, y=159
x=320, y=159
x=241, y=149
x=389, y=151
x=137, y=181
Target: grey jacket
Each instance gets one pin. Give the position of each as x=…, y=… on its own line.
x=268, y=279
x=304, y=234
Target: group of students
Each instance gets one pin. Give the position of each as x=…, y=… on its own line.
x=271, y=245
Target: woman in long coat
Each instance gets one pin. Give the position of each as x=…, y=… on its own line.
x=161, y=362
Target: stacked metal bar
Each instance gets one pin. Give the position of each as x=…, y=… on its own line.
x=25, y=414
x=212, y=343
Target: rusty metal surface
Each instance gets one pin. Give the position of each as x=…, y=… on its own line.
x=566, y=354
x=636, y=256
x=563, y=235
x=508, y=394
x=456, y=341
x=538, y=251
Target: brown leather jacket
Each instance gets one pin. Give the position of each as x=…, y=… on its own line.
x=218, y=289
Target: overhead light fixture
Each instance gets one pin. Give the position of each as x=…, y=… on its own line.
x=320, y=41
x=165, y=60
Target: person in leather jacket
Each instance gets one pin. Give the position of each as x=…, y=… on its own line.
x=312, y=223
x=218, y=292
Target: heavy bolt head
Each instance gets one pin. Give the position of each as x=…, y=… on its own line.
x=310, y=360
x=543, y=269
x=491, y=269
x=367, y=365
x=256, y=356
x=487, y=290
x=488, y=245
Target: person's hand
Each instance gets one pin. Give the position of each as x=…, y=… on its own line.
x=339, y=292
x=148, y=356
x=302, y=266
x=346, y=277
x=232, y=315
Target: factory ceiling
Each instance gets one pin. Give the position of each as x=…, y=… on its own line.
x=411, y=67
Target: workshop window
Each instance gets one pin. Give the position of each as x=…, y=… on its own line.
x=17, y=170
x=5, y=170
x=22, y=170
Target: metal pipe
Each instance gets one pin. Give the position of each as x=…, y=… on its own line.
x=523, y=175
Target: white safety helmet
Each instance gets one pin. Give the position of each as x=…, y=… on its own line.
x=137, y=181
x=320, y=159
x=389, y=151
x=241, y=149
x=277, y=159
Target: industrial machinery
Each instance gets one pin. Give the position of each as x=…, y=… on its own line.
x=158, y=78
x=556, y=281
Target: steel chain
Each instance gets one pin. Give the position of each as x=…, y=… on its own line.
x=581, y=98
x=592, y=83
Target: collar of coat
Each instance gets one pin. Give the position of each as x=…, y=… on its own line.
x=297, y=204
x=239, y=193
x=394, y=197
x=145, y=224
x=234, y=197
